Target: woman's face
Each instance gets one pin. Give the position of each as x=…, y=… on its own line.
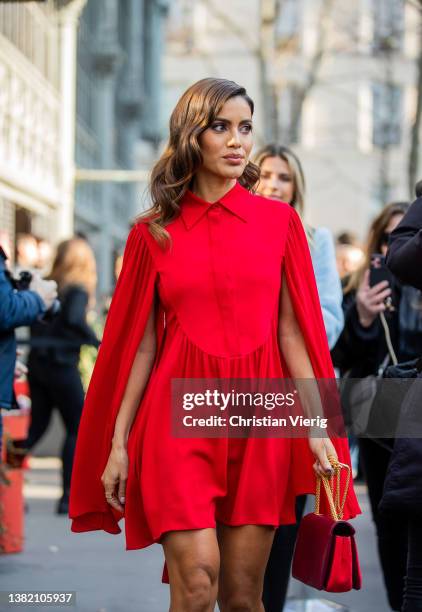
x=276, y=181
x=227, y=143
x=392, y=224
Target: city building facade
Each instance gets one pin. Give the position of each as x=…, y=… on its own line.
x=335, y=80
x=37, y=76
x=80, y=88
x=118, y=116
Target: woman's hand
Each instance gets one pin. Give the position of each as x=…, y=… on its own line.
x=114, y=477
x=20, y=369
x=322, y=448
x=370, y=301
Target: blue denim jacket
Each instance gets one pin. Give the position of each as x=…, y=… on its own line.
x=328, y=283
x=16, y=308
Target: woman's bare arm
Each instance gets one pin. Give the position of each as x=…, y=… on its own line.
x=291, y=338
x=138, y=378
x=114, y=477
x=296, y=355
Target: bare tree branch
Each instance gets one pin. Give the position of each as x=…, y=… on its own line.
x=415, y=3
x=315, y=64
x=233, y=26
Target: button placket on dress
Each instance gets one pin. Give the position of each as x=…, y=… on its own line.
x=223, y=276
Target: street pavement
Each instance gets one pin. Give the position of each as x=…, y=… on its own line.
x=107, y=578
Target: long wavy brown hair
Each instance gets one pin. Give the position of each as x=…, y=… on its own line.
x=374, y=240
x=173, y=173
x=74, y=264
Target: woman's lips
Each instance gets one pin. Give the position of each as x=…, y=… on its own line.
x=235, y=160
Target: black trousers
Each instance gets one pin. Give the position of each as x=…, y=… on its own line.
x=277, y=573
x=55, y=386
x=392, y=534
x=413, y=582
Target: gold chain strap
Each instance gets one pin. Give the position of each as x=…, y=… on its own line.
x=336, y=505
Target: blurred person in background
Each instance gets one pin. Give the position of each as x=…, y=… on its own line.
x=282, y=179
x=349, y=254
x=360, y=351
x=45, y=255
x=54, y=378
x=26, y=252
x=402, y=495
x=17, y=308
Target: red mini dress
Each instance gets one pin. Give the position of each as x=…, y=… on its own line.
x=216, y=290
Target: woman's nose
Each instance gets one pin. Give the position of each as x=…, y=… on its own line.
x=234, y=140
x=275, y=183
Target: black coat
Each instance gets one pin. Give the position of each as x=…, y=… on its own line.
x=58, y=342
x=361, y=350
x=403, y=484
x=405, y=249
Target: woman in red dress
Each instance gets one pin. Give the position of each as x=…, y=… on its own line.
x=216, y=283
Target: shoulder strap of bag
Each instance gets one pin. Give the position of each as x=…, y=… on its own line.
x=390, y=347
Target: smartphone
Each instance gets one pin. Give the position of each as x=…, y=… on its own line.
x=378, y=271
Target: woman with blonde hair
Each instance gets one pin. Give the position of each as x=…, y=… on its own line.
x=54, y=377
x=282, y=179
x=214, y=280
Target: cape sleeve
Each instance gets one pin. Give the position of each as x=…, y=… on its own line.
x=129, y=311
x=300, y=280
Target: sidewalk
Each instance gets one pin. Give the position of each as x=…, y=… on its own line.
x=107, y=578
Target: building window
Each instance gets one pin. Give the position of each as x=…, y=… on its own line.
x=388, y=25
x=33, y=31
x=387, y=101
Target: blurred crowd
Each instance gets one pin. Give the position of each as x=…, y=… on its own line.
x=371, y=322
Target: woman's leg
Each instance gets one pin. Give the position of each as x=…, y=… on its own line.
x=277, y=573
x=193, y=562
x=68, y=395
x=413, y=582
x=244, y=553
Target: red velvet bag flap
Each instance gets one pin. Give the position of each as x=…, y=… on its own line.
x=314, y=548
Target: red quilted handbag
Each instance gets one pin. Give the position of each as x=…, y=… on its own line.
x=326, y=555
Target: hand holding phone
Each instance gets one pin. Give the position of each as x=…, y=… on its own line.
x=379, y=271
x=373, y=291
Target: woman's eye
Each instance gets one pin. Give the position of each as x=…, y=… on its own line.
x=218, y=127
x=246, y=129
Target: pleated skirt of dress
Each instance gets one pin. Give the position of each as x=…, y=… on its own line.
x=190, y=483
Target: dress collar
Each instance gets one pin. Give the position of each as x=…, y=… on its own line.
x=193, y=208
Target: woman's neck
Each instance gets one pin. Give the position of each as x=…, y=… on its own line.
x=211, y=188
